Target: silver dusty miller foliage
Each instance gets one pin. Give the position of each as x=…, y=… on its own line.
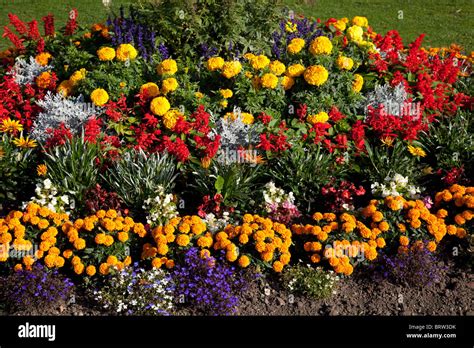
x=72, y=112
x=392, y=98
x=26, y=71
x=234, y=133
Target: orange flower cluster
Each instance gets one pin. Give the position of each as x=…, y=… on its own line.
x=258, y=239
x=108, y=233
x=458, y=202
x=20, y=230
x=337, y=232
x=180, y=233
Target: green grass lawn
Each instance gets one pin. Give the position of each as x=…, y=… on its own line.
x=443, y=21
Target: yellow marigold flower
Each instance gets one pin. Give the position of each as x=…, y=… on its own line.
x=244, y=261
x=295, y=70
x=287, y=82
x=18, y=267
x=78, y=76
x=416, y=151
x=159, y=106
x=99, y=97
x=156, y=262
x=109, y=240
x=182, y=240
x=404, y=240
x=151, y=89
x=269, y=80
x=231, y=69
x=25, y=143
x=41, y=169
x=162, y=249
x=320, y=45
x=226, y=93
x=199, y=95
x=384, y=226
x=169, y=85
x=380, y=242
x=43, y=80
x=43, y=58
x=315, y=258
x=360, y=21
x=49, y=260
x=357, y=83
x=169, y=264
x=104, y=269
x=65, y=88
x=79, y=244
x=215, y=63
x=278, y=266
x=167, y=67
x=112, y=260
x=43, y=223
x=106, y=53
x=90, y=270
x=126, y=52
x=340, y=25
x=170, y=118
x=295, y=46
x=321, y=117
x=344, y=63
x=247, y=118
x=316, y=75
x=459, y=219
x=122, y=236
x=355, y=33
x=259, y=62
x=277, y=67
x=431, y=246
x=377, y=216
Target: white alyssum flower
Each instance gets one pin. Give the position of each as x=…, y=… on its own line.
x=160, y=208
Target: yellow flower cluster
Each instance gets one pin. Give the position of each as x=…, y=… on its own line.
x=179, y=233
x=151, y=89
x=257, y=238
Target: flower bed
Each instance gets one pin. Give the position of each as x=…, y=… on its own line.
x=326, y=143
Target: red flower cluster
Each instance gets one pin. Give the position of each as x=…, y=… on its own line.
x=18, y=102
x=71, y=25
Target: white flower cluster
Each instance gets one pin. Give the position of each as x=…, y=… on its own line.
x=275, y=196
x=135, y=291
x=161, y=208
x=325, y=282
x=26, y=71
x=72, y=112
x=47, y=195
x=217, y=224
x=395, y=186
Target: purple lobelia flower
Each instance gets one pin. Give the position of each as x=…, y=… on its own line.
x=207, y=283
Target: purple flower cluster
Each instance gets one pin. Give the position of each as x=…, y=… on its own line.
x=128, y=30
x=209, y=284
x=37, y=289
x=415, y=268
